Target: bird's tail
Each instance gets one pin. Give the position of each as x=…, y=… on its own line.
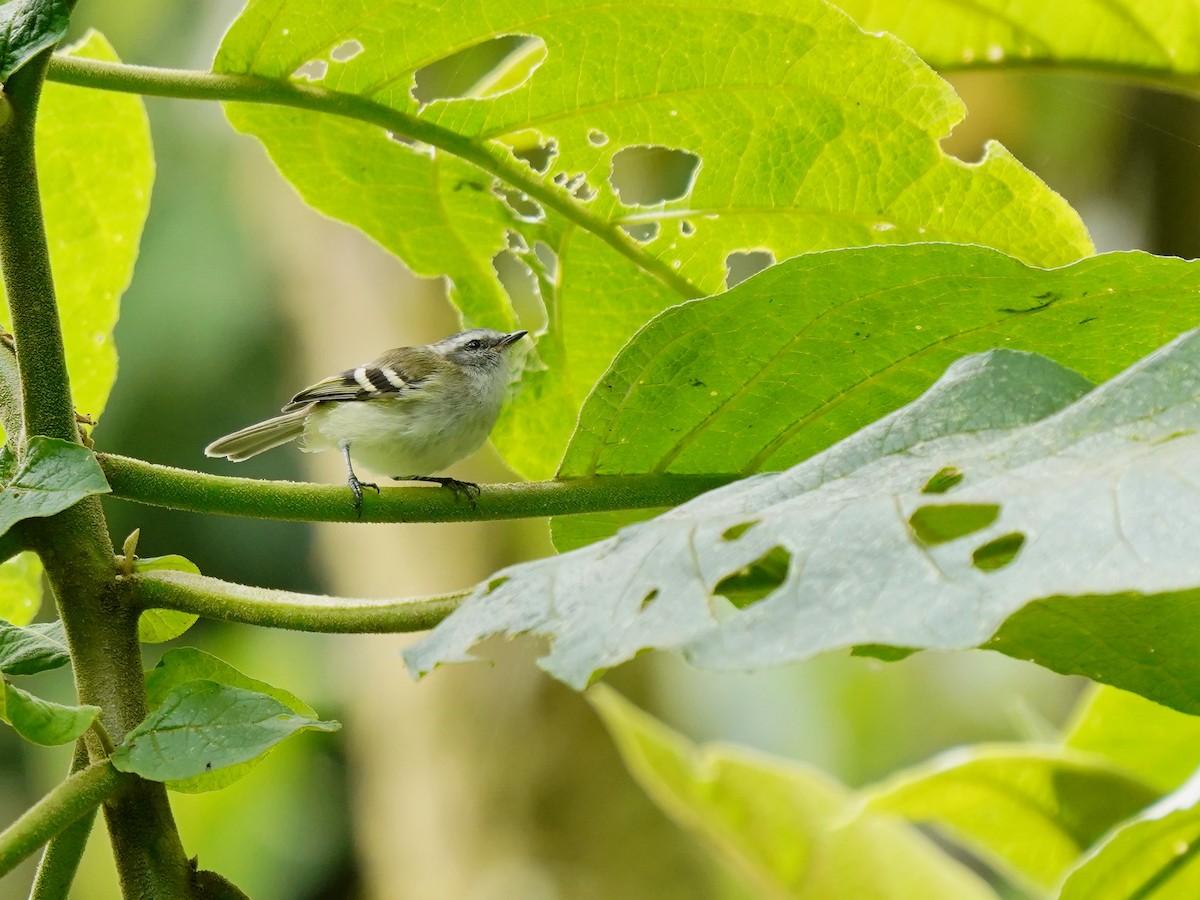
x=255, y=439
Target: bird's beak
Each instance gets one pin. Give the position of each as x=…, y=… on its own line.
x=511, y=338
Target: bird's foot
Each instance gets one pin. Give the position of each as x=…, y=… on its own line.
x=356, y=488
x=468, y=489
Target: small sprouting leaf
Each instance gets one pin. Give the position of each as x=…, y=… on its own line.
x=1153, y=856
x=158, y=625
x=43, y=722
x=28, y=27
x=203, y=726
x=788, y=830
x=34, y=648
x=53, y=475
x=1045, y=805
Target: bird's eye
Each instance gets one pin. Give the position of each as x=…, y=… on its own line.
x=474, y=345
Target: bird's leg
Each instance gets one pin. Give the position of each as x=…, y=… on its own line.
x=356, y=486
x=468, y=489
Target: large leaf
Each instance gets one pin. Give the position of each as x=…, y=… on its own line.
x=1163, y=36
x=783, y=126
x=1096, y=498
x=1157, y=744
x=810, y=351
x=184, y=665
x=203, y=726
x=36, y=648
x=26, y=28
x=42, y=721
x=95, y=205
x=1154, y=857
x=1029, y=811
x=790, y=831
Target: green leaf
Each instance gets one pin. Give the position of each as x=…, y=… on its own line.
x=53, y=475
x=790, y=831
x=1154, y=857
x=158, y=625
x=1100, y=490
x=20, y=588
x=27, y=27
x=32, y=649
x=1159, y=36
x=1157, y=744
x=727, y=129
x=1028, y=811
x=184, y=665
x=95, y=205
x=202, y=726
x=788, y=363
x=43, y=722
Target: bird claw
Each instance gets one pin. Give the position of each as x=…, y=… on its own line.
x=356, y=487
x=468, y=489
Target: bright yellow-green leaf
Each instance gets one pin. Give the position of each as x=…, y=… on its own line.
x=20, y=588
x=158, y=625
x=95, y=204
x=661, y=145
x=788, y=830
x=1156, y=743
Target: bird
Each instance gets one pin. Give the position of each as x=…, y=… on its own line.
x=410, y=413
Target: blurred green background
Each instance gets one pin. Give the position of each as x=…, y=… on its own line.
x=488, y=782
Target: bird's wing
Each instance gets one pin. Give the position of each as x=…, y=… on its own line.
x=395, y=374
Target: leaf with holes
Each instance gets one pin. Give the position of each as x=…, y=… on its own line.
x=27, y=27
x=42, y=721
x=787, y=831
x=202, y=726
x=1163, y=36
x=1029, y=811
x=1097, y=495
x=1154, y=856
x=807, y=353
x=613, y=159
x=183, y=665
x=32, y=649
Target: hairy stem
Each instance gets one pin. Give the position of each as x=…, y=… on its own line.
x=60, y=862
x=70, y=800
x=133, y=479
x=216, y=599
x=74, y=545
x=488, y=156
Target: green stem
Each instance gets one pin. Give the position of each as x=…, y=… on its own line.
x=491, y=157
x=143, y=482
x=216, y=599
x=74, y=545
x=60, y=862
x=70, y=800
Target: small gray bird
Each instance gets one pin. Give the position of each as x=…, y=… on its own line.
x=410, y=413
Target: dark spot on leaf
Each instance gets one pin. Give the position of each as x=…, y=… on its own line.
x=752, y=583
x=208, y=767
x=696, y=382
x=938, y=524
x=686, y=228
x=741, y=264
x=1088, y=319
x=473, y=185
x=998, y=553
x=649, y=598
x=942, y=480
x=487, y=69
x=733, y=532
x=647, y=174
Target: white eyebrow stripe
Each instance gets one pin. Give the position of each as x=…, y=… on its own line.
x=393, y=377
x=360, y=375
